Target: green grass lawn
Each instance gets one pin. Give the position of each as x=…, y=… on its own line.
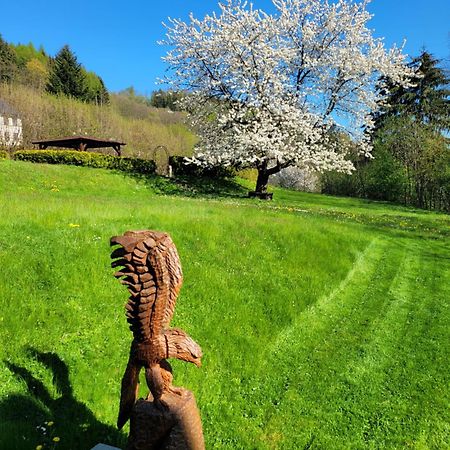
x=323, y=321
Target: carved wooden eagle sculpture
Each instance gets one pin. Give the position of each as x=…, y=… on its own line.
x=151, y=271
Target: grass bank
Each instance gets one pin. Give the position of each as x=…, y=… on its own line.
x=324, y=321
x=45, y=116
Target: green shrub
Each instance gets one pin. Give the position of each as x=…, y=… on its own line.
x=3, y=154
x=87, y=159
x=384, y=176
x=181, y=168
x=136, y=165
x=381, y=178
x=335, y=183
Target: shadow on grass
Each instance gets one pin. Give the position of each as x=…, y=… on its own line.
x=25, y=418
x=190, y=186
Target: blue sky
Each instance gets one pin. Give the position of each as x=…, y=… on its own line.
x=117, y=40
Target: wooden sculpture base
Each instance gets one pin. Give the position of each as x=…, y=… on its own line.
x=177, y=427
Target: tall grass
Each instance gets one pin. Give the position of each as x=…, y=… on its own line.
x=47, y=116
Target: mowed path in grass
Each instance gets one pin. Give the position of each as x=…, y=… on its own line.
x=324, y=321
x=370, y=359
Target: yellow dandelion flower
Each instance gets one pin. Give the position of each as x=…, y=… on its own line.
x=56, y=439
x=50, y=424
x=74, y=225
x=39, y=447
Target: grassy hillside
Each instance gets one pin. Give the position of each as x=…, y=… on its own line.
x=324, y=321
x=141, y=127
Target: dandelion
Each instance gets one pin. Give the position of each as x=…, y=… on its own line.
x=50, y=424
x=74, y=225
x=56, y=439
x=39, y=447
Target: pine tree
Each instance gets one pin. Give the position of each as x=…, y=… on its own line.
x=427, y=101
x=66, y=75
x=412, y=128
x=432, y=93
x=8, y=63
x=103, y=94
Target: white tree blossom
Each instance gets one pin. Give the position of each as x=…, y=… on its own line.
x=268, y=90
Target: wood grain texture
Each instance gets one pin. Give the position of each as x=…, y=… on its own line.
x=150, y=269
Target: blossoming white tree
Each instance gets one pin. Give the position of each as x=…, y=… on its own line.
x=269, y=90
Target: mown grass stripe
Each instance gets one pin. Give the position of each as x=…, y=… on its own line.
x=325, y=341
x=354, y=293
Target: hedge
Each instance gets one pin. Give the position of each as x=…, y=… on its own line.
x=3, y=154
x=181, y=168
x=87, y=159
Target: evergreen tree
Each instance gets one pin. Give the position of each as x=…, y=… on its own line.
x=8, y=63
x=411, y=128
x=427, y=101
x=66, y=75
x=411, y=151
x=102, y=97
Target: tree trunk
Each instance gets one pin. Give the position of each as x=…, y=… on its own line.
x=262, y=180
x=261, y=184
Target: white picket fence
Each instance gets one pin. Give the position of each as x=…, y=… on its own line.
x=10, y=132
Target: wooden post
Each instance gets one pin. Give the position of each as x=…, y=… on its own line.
x=174, y=426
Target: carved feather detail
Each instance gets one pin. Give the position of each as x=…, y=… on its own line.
x=150, y=269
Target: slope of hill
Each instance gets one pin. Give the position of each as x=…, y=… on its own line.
x=324, y=321
x=143, y=128
x=84, y=106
